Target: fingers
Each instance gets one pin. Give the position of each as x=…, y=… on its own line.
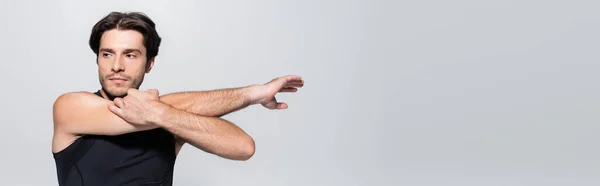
x=290, y=81
x=293, y=85
x=282, y=106
x=299, y=81
x=287, y=81
x=292, y=78
x=273, y=104
x=135, y=92
x=115, y=109
x=131, y=91
x=119, y=102
x=154, y=92
x=288, y=90
x=288, y=78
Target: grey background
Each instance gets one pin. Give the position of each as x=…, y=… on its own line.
x=417, y=93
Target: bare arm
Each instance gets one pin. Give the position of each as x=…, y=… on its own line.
x=79, y=113
x=210, y=134
x=215, y=103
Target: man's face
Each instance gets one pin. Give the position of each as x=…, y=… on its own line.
x=122, y=61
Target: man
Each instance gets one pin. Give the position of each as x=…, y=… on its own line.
x=120, y=135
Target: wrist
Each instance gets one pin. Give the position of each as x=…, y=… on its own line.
x=250, y=94
x=159, y=113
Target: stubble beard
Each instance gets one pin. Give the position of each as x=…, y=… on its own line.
x=112, y=93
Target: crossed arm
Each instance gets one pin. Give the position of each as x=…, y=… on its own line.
x=191, y=116
x=183, y=114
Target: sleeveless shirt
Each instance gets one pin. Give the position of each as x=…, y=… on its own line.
x=138, y=158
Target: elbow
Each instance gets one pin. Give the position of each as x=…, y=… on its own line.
x=247, y=150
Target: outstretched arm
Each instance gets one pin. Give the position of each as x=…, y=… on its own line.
x=220, y=102
x=215, y=103
x=211, y=134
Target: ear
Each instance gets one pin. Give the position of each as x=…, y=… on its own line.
x=149, y=65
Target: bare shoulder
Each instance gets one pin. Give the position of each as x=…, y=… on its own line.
x=65, y=108
x=75, y=97
x=75, y=104
x=76, y=100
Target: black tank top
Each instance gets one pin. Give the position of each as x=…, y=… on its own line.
x=139, y=158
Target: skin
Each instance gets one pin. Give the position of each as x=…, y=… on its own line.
x=122, y=62
x=192, y=116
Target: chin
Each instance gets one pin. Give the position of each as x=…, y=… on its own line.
x=117, y=94
x=116, y=91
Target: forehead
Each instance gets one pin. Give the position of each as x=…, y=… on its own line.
x=122, y=39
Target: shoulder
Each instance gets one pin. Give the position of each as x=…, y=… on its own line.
x=75, y=98
x=67, y=111
x=75, y=102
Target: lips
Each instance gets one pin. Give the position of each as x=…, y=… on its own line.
x=117, y=79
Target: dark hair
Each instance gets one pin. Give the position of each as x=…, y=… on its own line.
x=127, y=21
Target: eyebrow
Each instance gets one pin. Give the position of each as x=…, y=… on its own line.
x=107, y=50
x=128, y=50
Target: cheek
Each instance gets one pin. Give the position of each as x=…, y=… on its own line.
x=103, y=71
x=136, y=67
x=104, y=65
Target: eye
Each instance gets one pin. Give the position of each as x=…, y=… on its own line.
x=106, y=54
x=131, y=56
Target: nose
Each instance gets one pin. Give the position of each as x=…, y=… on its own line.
x=118, y=66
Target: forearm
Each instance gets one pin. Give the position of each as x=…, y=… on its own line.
x=214, y=103
x=211, y=134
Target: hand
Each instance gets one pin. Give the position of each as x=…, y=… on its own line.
x=138, y=107
x=265, y=94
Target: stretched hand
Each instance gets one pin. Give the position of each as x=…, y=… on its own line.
x=138, y=107
x=265, y=94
